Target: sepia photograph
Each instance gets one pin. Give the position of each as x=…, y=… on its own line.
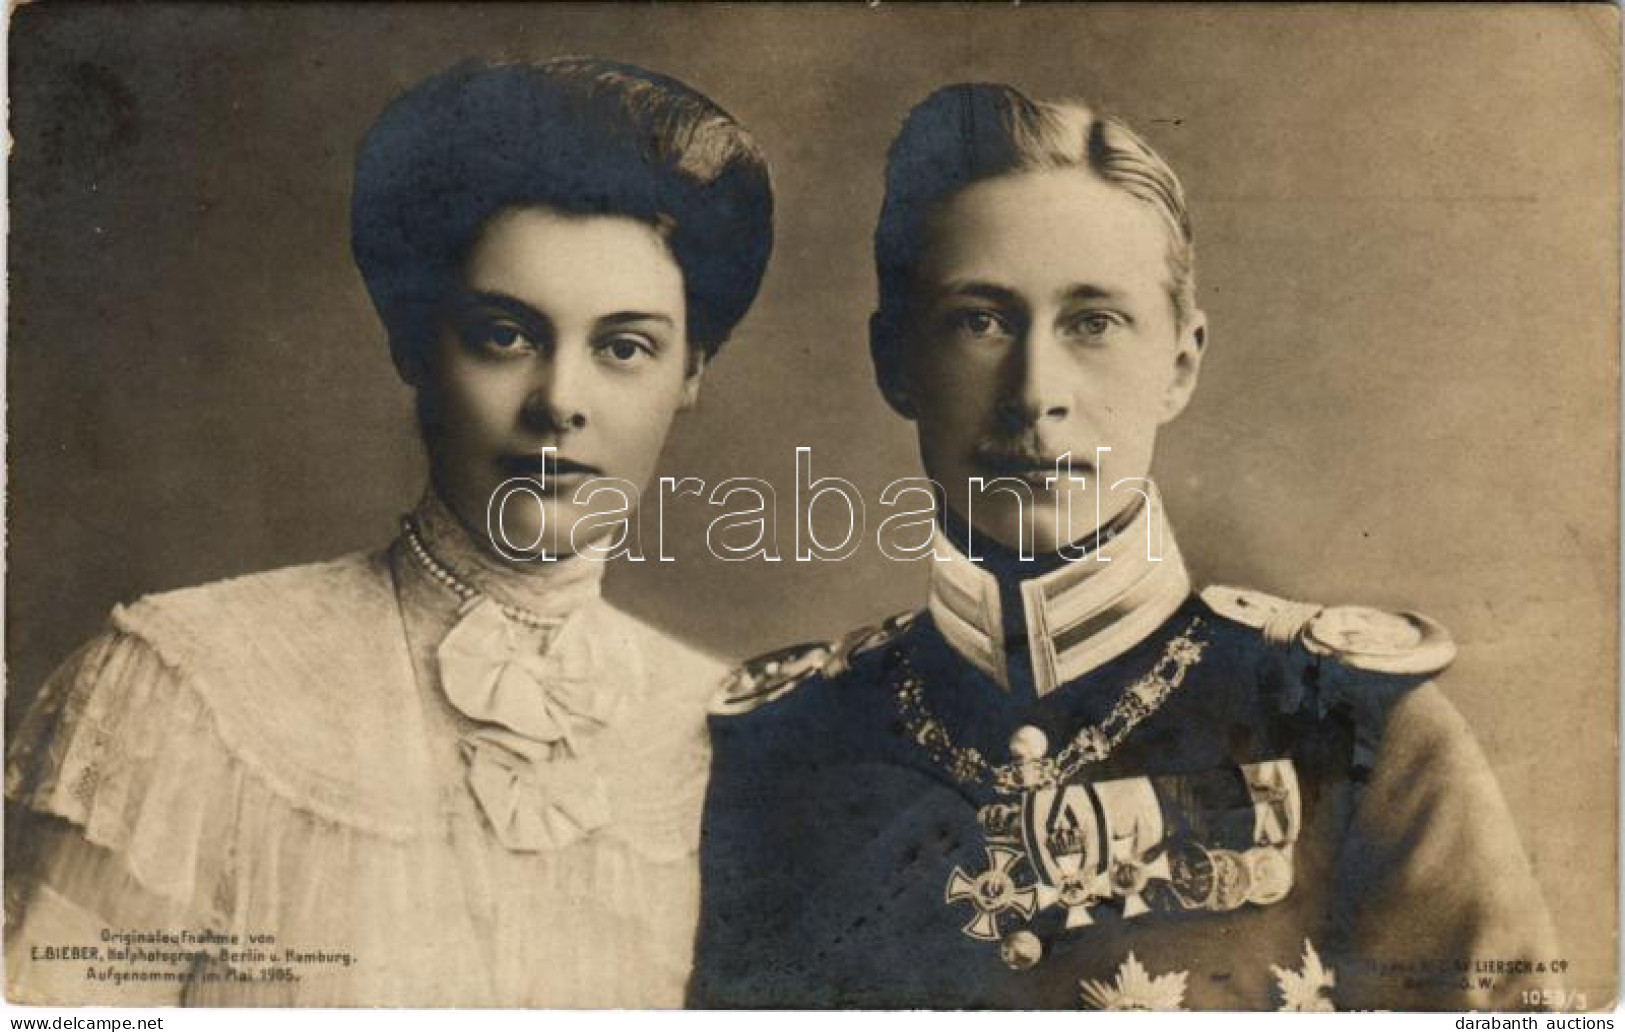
x=803, y=507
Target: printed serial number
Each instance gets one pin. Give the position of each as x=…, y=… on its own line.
x=1561, y=999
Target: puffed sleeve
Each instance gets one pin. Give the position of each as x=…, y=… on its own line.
x=119, y=801
x=1439, y=909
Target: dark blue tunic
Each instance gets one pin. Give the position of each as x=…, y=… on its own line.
x=832, y=835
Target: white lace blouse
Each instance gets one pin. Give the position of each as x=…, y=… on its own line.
x=426, y=800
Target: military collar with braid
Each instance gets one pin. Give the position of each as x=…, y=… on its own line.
x=1079, y=616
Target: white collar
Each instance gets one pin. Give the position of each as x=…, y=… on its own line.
x=1080, y=616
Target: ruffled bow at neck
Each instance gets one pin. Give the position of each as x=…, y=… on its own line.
x=541, y=694
x=535, y=801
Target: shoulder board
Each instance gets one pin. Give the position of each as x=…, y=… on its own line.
x=1256, y=609
x=1357, y=637
x=773, y=675
x=866, y=639
x=770, y=676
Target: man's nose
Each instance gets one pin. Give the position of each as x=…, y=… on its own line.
x=558, y=398
x=1034, y=390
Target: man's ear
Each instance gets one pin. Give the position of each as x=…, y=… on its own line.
x=1187, y=366
x=691, y=380
x=886, y=352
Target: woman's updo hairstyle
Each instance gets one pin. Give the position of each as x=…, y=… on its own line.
x=579, y=135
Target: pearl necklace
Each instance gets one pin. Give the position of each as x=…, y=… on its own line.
x=459, y=587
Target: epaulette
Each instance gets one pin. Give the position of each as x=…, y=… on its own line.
x=1356, y=637
x=773, y=675
x=1329, y=658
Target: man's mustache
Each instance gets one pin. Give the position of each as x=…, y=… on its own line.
x=1023, y=453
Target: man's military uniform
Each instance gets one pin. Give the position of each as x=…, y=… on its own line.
x=1094, y=788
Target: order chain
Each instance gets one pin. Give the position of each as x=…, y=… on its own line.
x=1090, y=745
x=461, y=588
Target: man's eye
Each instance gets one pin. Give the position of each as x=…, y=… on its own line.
x=1095, y=324
x=978, y=322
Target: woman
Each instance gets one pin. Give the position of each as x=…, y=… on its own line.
x=431, y=776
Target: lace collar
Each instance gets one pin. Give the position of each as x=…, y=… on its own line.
x=526, y=661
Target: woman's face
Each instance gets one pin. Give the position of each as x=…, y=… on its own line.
x=566, y=332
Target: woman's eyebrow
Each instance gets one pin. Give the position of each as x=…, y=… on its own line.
x=507, y=303
x=623, y=318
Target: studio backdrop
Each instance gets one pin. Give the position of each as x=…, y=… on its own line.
x=1407, y=229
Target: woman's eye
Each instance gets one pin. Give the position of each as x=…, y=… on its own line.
x=979, y=322
x=626, y=349
x=498, y=338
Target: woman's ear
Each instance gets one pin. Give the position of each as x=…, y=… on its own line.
x=886, y=353
x=691, y=380
x=1187, y=366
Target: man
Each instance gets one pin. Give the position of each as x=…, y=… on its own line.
x=1070, y=780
